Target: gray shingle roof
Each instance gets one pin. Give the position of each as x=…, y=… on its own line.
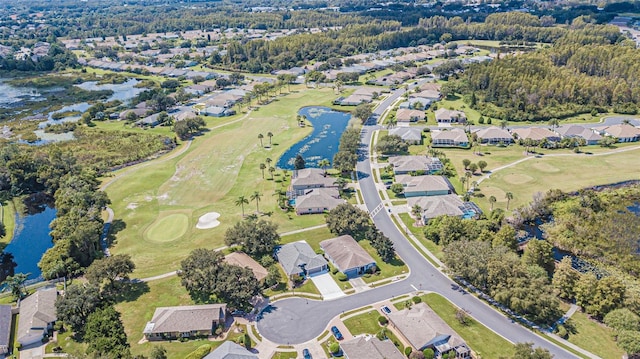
x=413, y=163
x=294, y=256
x=370, y=347
x=434, y=206
x=407, y=133
x=423, y=327
x=494, y=133
x=455, y=135
x=319, y=198
x=185, y=318
x=36, y=312
x=230, y=350
x=5, y=326
x=424, y=183
x=346, y=253
x=311, y=177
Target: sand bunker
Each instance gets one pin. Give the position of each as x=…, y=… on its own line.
x=208, y=220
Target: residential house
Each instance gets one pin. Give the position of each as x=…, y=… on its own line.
x=355, y=100
x=309, y=178
x=536, y=134
x=347, y=255
x=370, y=347
x=576, y=131
x=432, y=95
x=298, y=258
x=449, y=138
x=405, y=115
x=37, y=315
x=139, y=112
x=494, y=135
x=241, y=259
x=416, y=186
x=230, y=350
x=216, y=111
x=184, y=115
x=423, y=328
x=408, y=164
x=447, y=205
x=410, y=135
x=416, y=103
x=187, y=321
x=623, y=132
x=318, y=200
x=5, y=328
x=450, y=116
x=150, y=121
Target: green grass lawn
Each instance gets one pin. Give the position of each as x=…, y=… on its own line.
x=386, y=270
x=418, y=232
x=8, y=213
x=220, y=166
x=284, y=355
x=481, y=340
x=567, y=173
x=594, y=337
x=366, y=323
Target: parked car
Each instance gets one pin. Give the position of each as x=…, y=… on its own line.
x=306, y=354
x=336, y=333
x=385, y=310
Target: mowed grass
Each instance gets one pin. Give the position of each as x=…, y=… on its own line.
x=8, y=213
x=366, y=323
x=168, y=228
x=418, y=232
x=594, y=337
x=567, y=173
x=482, y=340
x=220, y=166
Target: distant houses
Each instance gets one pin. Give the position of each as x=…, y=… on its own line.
x=623, y=132
x=450, y=116
x=188, y=321
x=536, y=134
x=416, y=186
x=449, y=138
x=410, y=135
x=494, y=135
x=580, y=132
x=408, y=164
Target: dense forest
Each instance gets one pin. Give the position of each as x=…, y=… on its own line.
x=591, y=68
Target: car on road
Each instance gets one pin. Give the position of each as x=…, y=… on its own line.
x=306, y=354
x=385, y=310
x=336, y=333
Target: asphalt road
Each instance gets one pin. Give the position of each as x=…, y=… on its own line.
x=297, y=320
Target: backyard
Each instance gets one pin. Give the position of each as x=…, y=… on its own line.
x=209, y=176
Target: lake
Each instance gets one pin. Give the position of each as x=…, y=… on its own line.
x=328, y=126
x=30, y=240
x=122, y=92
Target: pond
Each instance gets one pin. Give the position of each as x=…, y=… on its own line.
x=328, y=126
x=12, y=95
x=30, y=240
x=122, y=92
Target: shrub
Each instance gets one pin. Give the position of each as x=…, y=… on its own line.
x=334, y=348
x=416, y=300
x=246, y=341
x=342, y=277
x=383, y=320
x=429, y=353
x=407, y=351
x=562, y=332
x=334, y=270
x=199, y=353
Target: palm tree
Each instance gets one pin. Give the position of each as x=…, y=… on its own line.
x=256, y=197
x=271, y=170
x=468, y=175
x=241, y=201
x=269, y=134
x=509, y=197
x=416, y=210
x=463, y=180
x=341, y=183
x=262, y=168
x=268, y=161
x=492, y=200
x=504, y=124
x=554, y=123
x=260, y=137
x=474, y=184
x=324, y=164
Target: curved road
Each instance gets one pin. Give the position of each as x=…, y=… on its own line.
x=297, y=320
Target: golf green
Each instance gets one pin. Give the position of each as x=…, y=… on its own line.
x=168, y=228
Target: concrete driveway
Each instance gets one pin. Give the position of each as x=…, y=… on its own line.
x=327, y=286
